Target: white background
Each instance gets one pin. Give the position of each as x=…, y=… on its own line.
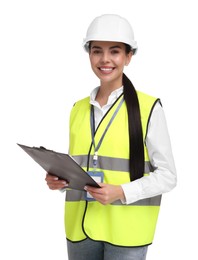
x=44, y=70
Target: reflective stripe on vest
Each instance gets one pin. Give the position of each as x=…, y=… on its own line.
x=118, y=224
x=73, y=195
x=110, y=163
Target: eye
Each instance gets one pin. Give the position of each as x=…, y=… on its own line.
x=114, y=51
x=96, y=51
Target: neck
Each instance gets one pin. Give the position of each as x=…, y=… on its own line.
x=103, y=94
x=109, y=87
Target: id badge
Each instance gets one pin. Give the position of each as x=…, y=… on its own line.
x=98, y=177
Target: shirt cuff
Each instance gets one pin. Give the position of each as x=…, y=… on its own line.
x=132, y=192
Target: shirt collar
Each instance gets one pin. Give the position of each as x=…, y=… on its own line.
x=113, y=96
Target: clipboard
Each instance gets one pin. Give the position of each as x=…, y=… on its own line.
x=61, y=165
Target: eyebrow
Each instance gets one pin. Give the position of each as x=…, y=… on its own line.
x=112, y=47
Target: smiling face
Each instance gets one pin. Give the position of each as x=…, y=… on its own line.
x=108, y=60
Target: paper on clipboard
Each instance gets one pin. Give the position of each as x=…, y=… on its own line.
x=62, y=166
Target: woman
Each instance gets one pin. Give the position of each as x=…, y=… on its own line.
x=119, y=135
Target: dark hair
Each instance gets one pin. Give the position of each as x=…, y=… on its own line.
x=136, y=157
x=128, y=48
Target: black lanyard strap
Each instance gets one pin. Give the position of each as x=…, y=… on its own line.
x=92, y=123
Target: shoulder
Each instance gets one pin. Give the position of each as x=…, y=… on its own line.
x=146, y=97
x=82, y=102
x=79, y=107
x=147, y=101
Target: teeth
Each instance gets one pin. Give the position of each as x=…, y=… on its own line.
x=106, y=69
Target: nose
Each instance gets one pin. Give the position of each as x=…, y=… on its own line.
x=105, y=57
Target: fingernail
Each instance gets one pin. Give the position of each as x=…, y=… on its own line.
x=85, y=188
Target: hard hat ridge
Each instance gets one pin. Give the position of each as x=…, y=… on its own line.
x=110, y=27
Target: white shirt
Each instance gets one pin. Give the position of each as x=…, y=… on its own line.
x=164, y=178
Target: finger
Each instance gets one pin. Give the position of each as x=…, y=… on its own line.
x=56, y=184
x=96, y=190
x=50, y=177
x=91, y=189
x=99, y=197
x=96, y=193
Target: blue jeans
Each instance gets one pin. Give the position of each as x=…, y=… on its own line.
x=93, y=250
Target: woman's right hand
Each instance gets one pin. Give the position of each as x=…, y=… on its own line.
x=54, y=183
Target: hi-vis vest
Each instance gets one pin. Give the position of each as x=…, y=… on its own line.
x=116, y=223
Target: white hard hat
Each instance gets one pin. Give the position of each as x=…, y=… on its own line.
x=110, y=27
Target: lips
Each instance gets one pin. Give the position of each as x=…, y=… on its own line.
x=106, y=70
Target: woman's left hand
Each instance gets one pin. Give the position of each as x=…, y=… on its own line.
x=107, y=193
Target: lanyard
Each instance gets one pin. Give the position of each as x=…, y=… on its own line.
x=92, y=123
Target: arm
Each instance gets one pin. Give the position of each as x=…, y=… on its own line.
x=163, y=179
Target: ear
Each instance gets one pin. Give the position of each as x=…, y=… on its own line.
x=128, y=58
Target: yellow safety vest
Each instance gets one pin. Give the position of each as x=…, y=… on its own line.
x=116, y=223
